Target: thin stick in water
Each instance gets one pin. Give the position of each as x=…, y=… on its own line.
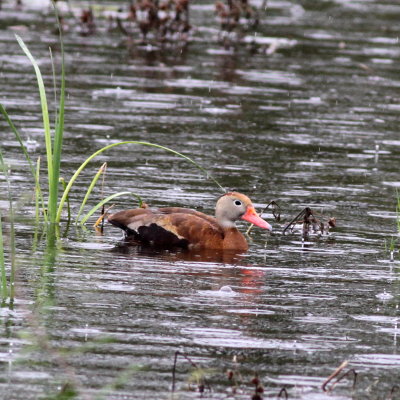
x=334, y=374
x=283, y=392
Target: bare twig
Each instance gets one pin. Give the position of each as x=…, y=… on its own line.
x=334, y=374
x=395, y=388
x=121, y=27
x=345, y=374
x=276, y=212
x=310, y=223
x=302, y=214
x=193, y=364
x=283, y=392
x=102, y=216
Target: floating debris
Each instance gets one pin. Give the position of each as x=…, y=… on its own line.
x=87, y=23
x=307, y=221
x=337, y=376
x=166, y=21
x=236, y=14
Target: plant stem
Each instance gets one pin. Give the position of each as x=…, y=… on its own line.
x=3, y=286
x=89, y=191
x=106, y=200
x=12, y=230
x=59, y=131
x=47, y=132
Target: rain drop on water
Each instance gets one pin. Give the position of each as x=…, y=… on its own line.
x=384, y=296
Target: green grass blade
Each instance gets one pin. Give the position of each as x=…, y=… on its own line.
x=38, y=195
x=35, y=175
x=18, y=137
x=3, y=277
x=37, y=201
x=59, y=131
x=53, y=71
x=63, y=183
x=12, y=230
x=106, y=200
x=13, y=254
x=90, y=189
x=83, y=165
x=47, y=132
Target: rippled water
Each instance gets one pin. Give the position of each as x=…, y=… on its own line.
x=306, y=113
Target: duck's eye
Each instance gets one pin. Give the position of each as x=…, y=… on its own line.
x=237, y=203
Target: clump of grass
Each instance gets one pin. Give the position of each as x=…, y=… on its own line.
x=53, y=143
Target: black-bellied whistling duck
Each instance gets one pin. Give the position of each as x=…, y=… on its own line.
x=182, y=227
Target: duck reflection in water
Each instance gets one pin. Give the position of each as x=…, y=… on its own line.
x=227, y=265
x=130, y=246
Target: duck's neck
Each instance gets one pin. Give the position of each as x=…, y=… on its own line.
x=226, y=223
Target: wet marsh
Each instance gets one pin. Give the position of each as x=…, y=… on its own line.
x=310, y=122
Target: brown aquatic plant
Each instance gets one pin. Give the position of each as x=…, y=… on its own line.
x=202, y=382
x=344, y=375
x=259, y=389
x=307, y=218
x=87, y=22
x=234, y=377
x=335, y=373
x=169, y=20
x=394, y=389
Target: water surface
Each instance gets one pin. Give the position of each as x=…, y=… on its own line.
x=311, y=121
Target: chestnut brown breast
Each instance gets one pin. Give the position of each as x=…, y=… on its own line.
x=174, y=226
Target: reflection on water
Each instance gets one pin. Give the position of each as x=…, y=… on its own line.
x=305, y=113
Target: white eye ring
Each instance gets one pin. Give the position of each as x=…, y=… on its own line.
x=237, y=203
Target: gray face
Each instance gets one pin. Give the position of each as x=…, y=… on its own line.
x=230, y=208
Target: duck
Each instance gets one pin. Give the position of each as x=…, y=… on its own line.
x=191, y=229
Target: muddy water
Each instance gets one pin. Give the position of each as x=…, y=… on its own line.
x=305, y=114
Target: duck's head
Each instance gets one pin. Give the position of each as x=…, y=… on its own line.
x=234, y=206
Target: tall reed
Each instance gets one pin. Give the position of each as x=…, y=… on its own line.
x=53, y=144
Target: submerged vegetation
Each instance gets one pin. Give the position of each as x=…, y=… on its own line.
x=164, y=24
